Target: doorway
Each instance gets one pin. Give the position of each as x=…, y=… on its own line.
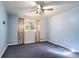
x=30, y=32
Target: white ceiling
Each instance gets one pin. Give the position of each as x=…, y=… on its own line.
x=19, y=8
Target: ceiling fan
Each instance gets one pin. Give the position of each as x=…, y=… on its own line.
x=39, y=9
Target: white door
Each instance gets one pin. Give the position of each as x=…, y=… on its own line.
x=29, y=34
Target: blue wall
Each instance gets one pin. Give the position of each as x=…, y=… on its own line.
x=64, y=29
x=12, y=29
x=3, y=28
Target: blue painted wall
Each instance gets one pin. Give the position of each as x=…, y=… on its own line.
x=12, y=29
x=3, y=28
x=64, y=29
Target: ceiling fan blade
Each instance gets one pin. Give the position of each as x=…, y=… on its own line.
x=30, y=10
x=49, y=9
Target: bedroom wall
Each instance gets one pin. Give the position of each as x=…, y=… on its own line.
x=63, y=29
x=3, y=29
x=13, y=30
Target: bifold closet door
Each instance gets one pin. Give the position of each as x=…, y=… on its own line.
x=21, y=31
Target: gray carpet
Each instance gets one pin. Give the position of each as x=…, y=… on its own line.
x=39, y=50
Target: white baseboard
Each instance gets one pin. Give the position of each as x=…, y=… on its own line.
x=3, y=51
x=43, y=40
x=58, y=44
x=12, y=44
x=73, y=50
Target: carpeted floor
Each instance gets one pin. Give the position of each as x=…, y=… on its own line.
x=39, y=50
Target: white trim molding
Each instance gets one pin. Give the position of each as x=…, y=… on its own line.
x=71, y=49
x=13, y=44
x=3, y=51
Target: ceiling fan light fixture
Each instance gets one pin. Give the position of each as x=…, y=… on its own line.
x=38, y=6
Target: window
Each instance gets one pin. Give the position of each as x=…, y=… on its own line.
x=29, y=25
